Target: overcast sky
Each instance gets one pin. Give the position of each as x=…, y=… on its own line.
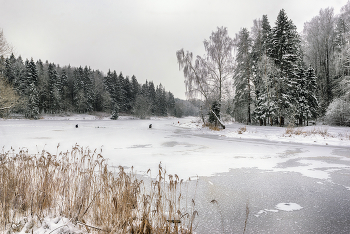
x=136, y=37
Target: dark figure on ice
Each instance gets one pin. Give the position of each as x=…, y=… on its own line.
x=150, y=126
x=76, y=126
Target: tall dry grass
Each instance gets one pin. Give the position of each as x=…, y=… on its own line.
x=80, y=185
x=290, y=130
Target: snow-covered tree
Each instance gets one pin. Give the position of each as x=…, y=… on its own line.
x=243, y=77
x=266, y=103
x=142, y=108
x=338, y=112
x=32, y=110
x=319, y=39
x=285, y=52
x=311, y=94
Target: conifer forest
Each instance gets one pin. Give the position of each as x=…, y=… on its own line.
x=49, y=88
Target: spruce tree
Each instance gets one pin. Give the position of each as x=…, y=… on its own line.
x=53, y=85
x=9, y=70
x=242, y=77
x=261, y=68
x=285, y=53
x=311, y=87
x=171, y=103
x=152, y=96
x=32, y=110
x=301, y=105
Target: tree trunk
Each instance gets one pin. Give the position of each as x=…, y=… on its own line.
x=218, y=120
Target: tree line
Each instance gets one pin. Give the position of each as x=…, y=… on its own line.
x=49, y=88
x=274, y=75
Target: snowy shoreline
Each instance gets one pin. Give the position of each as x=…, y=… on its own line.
x=334, y=136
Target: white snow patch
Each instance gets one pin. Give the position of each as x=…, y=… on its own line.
x=48, y=225
x=265, y=212
x=288, y=206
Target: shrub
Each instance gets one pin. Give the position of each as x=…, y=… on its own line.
x=338, y=113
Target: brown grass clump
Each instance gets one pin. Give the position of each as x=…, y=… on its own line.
x=212, y=126
x=80, y=186
x=241, y=130
x=300, y=131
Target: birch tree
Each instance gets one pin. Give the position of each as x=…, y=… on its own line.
x=8, y=97
x=207, y=76
x=5, y=47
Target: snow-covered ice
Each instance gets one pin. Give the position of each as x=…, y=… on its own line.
x=227, y=156
x=182, y=145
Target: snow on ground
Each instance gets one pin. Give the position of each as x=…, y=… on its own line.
x=47, y=225
x=336, y=136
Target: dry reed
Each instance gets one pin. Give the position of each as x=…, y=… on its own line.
x=79, y=185
x=241, y=130
x=300, y=131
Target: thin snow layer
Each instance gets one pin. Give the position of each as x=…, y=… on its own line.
x=280, y=207
x=48, y=225
x=182, y=145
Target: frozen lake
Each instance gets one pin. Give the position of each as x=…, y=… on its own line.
x=290, y=186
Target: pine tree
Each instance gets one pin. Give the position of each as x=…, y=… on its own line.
x=64, y=91
x=33, y=102
x=43, y=86
x=128, y=94
x=79, y=100
x=242, y=77
x=54, y=92
x=171, y=103
x=88, y=89
x=301, y=105
x=9, y=70
x=285, y=53
x=19, y=74
x=31, y=73
x=311, y=87
x=135, y=89
x=152, y=96
x=261, y=69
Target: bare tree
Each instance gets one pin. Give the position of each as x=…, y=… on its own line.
x=319, y=52
x=208, y=75
x=5, y=47
x=8, y=98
